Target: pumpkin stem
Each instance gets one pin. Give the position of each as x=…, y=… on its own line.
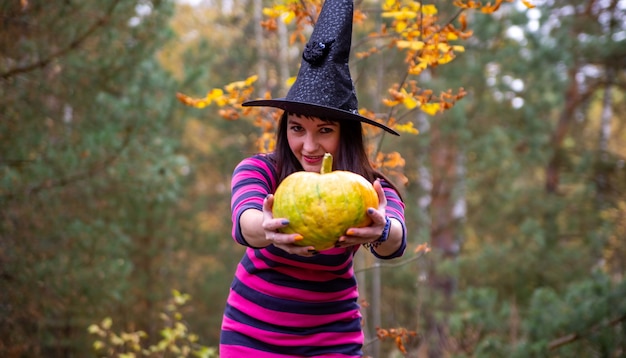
x=327, y=164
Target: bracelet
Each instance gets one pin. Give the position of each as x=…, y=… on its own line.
x=383, y=237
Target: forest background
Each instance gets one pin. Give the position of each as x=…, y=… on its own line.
x=113, y=193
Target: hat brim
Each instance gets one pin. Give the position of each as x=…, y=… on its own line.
x=315, y=110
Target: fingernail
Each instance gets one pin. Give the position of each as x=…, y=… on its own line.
x=298, y=238
x=285, y=222
x=370, y=211
x=349, y=232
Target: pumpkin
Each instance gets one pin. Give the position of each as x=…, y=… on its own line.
x=323, y=206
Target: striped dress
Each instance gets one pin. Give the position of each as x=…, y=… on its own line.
x=284, y=305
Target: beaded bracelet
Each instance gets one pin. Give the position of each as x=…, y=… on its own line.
x=383, y=237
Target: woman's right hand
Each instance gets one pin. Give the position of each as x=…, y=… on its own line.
x=283, y=241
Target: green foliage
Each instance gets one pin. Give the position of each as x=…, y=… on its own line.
x=588, y=316
x=590, y=309
x=91, y=168
x=176, y=340
x=532, y=277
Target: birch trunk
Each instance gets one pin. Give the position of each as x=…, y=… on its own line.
x=257, y=15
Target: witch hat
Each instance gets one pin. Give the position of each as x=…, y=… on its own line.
x=323, y=87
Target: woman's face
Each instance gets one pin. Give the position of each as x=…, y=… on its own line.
x=310, y=138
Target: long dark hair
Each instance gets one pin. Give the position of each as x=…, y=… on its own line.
x=351, y=155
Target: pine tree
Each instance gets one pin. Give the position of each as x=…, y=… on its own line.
x=90, y=169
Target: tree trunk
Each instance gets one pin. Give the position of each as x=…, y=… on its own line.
x=604, y=163
x=283, y=55
x=376, y=279
x=258, y=37
x=443, y=157
x=572, y=100
x=607, y=111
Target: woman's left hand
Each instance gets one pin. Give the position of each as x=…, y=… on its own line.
x=371, y=233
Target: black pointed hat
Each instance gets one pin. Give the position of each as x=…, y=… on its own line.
x=323, y=87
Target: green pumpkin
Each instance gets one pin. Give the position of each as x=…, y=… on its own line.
x=322, y=206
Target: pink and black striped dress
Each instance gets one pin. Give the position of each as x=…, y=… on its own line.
x=284, y=305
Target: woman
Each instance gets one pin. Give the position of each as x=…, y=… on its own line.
x=287, y=300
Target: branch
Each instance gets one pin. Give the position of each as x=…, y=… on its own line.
x=75, y=177
x=406, y=74
x=428, y=38
x=561, y=341
x=396, y=264
x=72, y=45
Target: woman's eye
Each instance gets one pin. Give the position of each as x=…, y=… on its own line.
x=326, y=130
x=296, y=128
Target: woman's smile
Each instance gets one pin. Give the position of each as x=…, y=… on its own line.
x=312, y=159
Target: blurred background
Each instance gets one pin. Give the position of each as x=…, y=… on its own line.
x=113, y=193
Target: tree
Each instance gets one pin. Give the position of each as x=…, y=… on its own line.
x=90, y=169
x=537, y=228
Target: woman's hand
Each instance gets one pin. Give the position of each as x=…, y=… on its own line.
x=371, y=233
x=283, y=241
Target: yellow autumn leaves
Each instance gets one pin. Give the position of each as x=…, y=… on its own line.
x=175, y=337
x=227, y=98
x=411, y=27
x=231, y=94
x=489, y=7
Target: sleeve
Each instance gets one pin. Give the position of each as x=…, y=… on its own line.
x=253, y=179
x=394, y=209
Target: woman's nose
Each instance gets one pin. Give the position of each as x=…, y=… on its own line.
x=310, y=143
